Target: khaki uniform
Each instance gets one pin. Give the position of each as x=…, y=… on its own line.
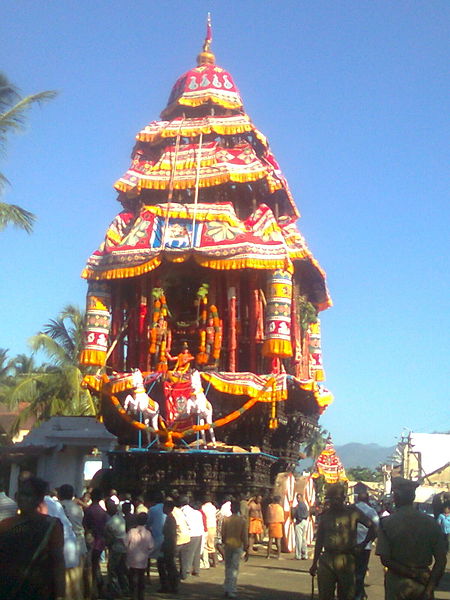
x=336, y=566
x=412, y=539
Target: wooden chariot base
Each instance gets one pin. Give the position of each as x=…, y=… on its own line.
x=194, y=472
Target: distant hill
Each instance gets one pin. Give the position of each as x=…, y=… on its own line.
x=363, y=455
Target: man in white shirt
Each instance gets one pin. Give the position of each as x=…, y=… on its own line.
x=194, y=519
x=183, y=539
x=210, y=512
x=362, y=558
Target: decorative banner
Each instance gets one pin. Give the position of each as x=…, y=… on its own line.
x=177, y=398
x=309, y=498
x=289, y=502
x=315, y=352
x=278, y=316
x=98, y=321
x=329, y=465
x=211, y=234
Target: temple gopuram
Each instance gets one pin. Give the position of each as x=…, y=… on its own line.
x=202, y=325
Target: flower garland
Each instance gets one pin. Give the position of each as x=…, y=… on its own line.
x=159, y=334
x=202, y=303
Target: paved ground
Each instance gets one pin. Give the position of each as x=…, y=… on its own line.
x=262, y=579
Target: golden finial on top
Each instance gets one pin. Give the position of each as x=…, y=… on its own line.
x=206, y=57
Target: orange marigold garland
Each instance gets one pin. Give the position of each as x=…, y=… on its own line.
x=202, y=305
x=232, y=333
x=159, y=331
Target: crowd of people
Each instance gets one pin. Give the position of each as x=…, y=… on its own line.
x=67, y=540
x=55, y=546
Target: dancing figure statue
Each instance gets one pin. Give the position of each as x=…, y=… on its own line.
x=140, y=402
x=198, y=405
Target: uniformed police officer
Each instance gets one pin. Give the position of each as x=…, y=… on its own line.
x=408, y=540
x=336, y=535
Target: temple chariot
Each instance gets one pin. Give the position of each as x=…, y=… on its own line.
x=202, y=325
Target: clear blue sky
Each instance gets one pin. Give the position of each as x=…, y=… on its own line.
x=354, y=98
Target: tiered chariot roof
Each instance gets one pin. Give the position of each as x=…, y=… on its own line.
x=187, y=170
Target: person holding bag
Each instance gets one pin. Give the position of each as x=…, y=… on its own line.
x=31, y=549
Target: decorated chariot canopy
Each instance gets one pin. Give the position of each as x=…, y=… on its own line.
x=205, y=271
x=329, y=466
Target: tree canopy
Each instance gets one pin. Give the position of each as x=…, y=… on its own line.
x=13, y=112
x=364, y=474
x=53, y=388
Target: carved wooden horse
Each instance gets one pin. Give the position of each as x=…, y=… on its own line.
x=198, y=405
x=140, y=402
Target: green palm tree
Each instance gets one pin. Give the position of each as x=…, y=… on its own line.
x=55, y=388
x=13, y=110
x=6, y=373
x=5, y=364
x=316, y=442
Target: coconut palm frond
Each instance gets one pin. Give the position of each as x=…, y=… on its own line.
x=11, y=214
x=52, y=349
x=56, y=329
x=316, y=442
x=26, y=389
x=13, y=117
x=86, y=405
x=9, y=94
x=3, y=182
x=5, y=363
x=23, y=363
x=22, y=418
x=76, y=320
x=54, y=388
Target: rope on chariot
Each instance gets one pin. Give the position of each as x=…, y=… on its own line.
x=170, y=433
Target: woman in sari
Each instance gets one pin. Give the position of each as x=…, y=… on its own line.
x=31, y=549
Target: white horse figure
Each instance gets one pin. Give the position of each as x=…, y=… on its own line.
x=198, y=405
x=140, y=401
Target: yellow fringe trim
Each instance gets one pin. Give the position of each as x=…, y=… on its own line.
x=93, y=357
x=183, y=184
x=329, y=478
x=177, y=258
x=93, y=382
x=298, y=254
x=324, y=400
x=308, y=386
x=183, y=101
x=173, y=130
x=184, y=165
x=185, y=213
x=194, y=131
x=319, y=375
x=119, y=386
x=123, y=272
x=280, y=348
x=225, y=264
x=242, y=389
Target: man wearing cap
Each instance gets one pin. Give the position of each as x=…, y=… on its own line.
x=336, y=536
x=408, y=541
